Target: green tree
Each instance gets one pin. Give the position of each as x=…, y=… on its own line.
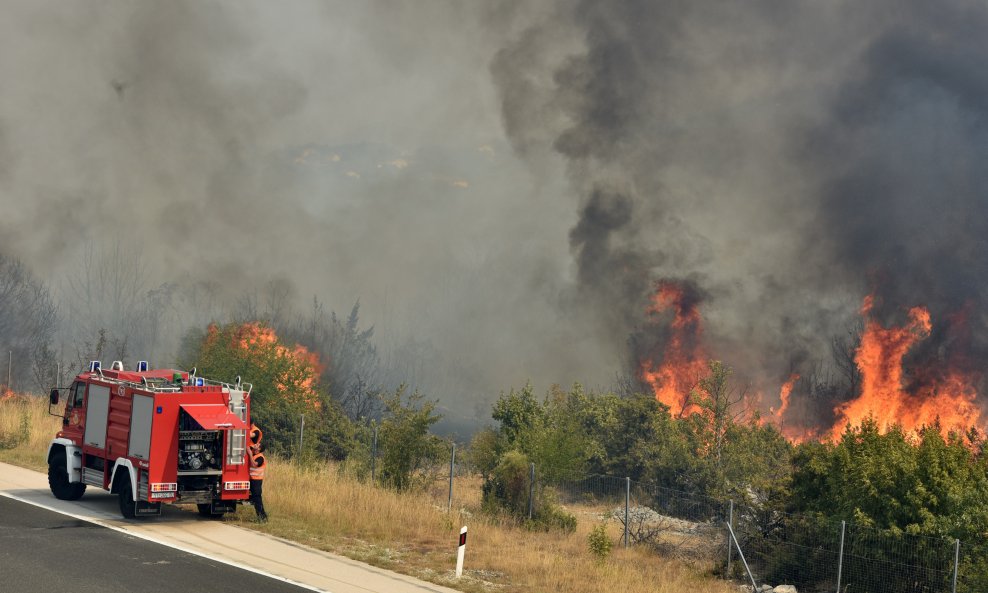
x=484, y=451
x=560, y=447
x=865, y=477
x=904, y=484
x=520, y=415
x=921, y=483
x=755, y=467
x=406, y=446
x=548, y=433
x=631, y=436
x=730, y=454
x=721, y=406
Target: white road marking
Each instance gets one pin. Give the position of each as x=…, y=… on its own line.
x=162, y=543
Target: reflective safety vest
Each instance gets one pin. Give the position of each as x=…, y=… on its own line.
x=257, y=467
x=255, y=434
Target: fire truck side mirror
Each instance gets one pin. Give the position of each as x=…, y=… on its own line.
x=53, y=397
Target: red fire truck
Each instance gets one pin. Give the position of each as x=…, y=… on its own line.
x=152, y=436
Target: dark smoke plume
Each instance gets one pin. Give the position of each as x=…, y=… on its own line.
x=611, y=269
x=792, y=156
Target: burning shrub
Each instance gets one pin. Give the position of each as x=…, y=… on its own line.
x=285, y=385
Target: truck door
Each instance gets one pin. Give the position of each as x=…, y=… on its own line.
x=75, y=411
x=94, y=437
x=97, y=406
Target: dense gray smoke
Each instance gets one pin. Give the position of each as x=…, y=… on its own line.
x=790, y=158
x=163, y=165
x=905, y=198
x=501, y=187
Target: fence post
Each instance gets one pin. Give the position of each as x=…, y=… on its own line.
x=374, y=455
x=730, y=521
x=531, y=489
x=840, y=555
x=730, y=529
x=627, y=505
x=957, y=561
x=301, y=435
x=452, y=460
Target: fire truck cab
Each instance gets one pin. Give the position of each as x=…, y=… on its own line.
x=152, y=437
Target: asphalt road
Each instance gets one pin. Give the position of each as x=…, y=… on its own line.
x=48, y=552
x=84, y=545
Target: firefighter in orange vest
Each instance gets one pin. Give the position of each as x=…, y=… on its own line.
x=256, y=466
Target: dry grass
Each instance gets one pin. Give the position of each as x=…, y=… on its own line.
x=412, y=533
x=26, y=428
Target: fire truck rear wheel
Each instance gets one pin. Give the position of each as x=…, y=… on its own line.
x=58, y=480
x=127, y=507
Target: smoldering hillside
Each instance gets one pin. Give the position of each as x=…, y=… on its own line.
x=500, y=187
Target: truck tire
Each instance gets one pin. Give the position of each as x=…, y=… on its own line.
x=206, y=510
x=127, y=507
x=58, y=479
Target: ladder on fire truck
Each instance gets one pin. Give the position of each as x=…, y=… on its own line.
x=162, y=384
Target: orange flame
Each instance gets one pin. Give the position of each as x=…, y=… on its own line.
x=800, y=434
x=784, y=394
x=298, y=382
x=796, y=432
x=949, y=399
x=683, y=361
x=10, y=395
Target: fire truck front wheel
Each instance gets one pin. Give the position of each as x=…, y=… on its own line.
x=58, y=479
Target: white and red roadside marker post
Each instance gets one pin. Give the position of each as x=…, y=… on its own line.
x=460, y=551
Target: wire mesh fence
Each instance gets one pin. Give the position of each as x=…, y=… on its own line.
x=435, y=471
x=877, y=560
x=813, y=553
x=972, y=576
x=798, y=550
x=673, y=523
